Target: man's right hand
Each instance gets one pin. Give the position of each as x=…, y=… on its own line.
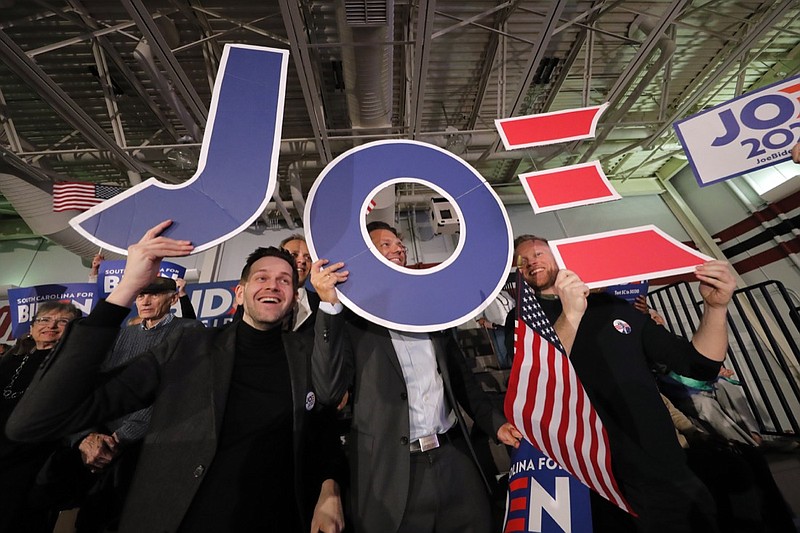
x=144, y=261
x=98, y=450
x=572, y=292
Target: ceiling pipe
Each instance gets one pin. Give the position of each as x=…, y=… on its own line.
x=666, y=47
x=144, y=56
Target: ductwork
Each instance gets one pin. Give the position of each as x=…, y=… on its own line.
x=35, y=206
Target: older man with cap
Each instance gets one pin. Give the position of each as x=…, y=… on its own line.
x=104, y=446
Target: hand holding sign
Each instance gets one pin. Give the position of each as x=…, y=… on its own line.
x=716, y=283
x=144, y=262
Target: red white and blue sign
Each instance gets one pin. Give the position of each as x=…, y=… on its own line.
x=25, y=301
x=753, y=131
x=543, y=497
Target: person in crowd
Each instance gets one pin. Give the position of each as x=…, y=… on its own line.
x=95, y=270
x=736, y=474
x=796, y=153
x=20, y=463
x=307, y=303
x=493, y=319
x=611, y=347
x=111, y=452
x=187, y=309
x=412, y=466
x=237, y=441
x=698, y=398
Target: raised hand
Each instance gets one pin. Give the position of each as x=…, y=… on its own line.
x=325, y=280
x=144, y=261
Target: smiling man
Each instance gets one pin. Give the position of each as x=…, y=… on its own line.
x=307, y=302
x=612, y=347
x=237, y=441
x=413, y=469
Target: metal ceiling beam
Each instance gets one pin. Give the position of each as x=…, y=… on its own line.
x=639, y=61
x=8, y=125
x=24, y=67
x=158, y=44
x=470, y=20
x=711, y=75
x=539, y=50
x=422, y=49
x=298, y=39
x=489, y=59
x=84, y=19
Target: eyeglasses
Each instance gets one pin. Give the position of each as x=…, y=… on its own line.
x=49, y=321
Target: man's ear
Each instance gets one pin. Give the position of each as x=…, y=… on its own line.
x=174, y=299
x=239, y=292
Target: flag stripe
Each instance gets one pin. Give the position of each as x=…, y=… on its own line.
x=548, y=404
x=69, y=195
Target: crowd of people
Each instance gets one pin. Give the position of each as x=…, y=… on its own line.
x=165, y=425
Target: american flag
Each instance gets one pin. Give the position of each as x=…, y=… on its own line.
x=81, y=195
x=549, y=406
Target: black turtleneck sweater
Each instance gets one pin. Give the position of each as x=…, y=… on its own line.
x=250, y=484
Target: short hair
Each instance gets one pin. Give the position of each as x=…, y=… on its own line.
x=528, y=237
x=64, y=307
x=292, y=237
x=379, y=224
x=270, y=251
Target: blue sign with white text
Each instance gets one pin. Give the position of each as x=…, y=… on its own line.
x=543, y=497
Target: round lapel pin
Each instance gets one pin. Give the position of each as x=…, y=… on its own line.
x=311, y=400
x=622, y=326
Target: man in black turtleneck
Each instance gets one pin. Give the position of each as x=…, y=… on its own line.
x=237, y=440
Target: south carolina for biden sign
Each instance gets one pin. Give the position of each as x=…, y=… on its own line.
x=754, y=131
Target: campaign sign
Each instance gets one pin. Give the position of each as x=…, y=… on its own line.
x=629, y=291
x=393, y=296
x=110, y=273
x=753, y=131
x=236, y=173
x=214, y=303
x=25, y=301
x=543, y=497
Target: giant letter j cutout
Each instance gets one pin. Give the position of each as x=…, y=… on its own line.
x=236, y=175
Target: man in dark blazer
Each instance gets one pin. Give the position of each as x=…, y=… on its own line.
x=412, y=466
x=237, y=441
x=307, y=302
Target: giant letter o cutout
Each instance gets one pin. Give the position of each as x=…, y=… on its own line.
x=413, y=300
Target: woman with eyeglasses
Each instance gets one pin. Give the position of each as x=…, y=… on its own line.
x=20, y=462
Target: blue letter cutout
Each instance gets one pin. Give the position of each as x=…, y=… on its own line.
x=237, y=171
x=400, y=298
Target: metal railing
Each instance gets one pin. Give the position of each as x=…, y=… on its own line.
x=764, y=328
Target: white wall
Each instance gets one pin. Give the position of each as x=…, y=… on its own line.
x=31, y=262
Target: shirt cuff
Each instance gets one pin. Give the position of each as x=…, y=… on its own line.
x=331, y=309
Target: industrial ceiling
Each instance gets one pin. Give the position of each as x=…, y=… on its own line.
x=119, y=91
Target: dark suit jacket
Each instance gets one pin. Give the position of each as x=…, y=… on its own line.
x=350, y=351
x=187, y=378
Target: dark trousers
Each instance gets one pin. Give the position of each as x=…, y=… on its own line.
x=446, y=493
x=678, y=506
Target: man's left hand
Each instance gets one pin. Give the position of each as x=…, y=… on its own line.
x=324, y=279
x=509, y=435
x=328, y=514
x=716, y=283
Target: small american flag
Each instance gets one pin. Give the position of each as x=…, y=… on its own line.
x=81, y=195
x=548, y=404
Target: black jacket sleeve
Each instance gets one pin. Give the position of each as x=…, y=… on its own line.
x=69, y=393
